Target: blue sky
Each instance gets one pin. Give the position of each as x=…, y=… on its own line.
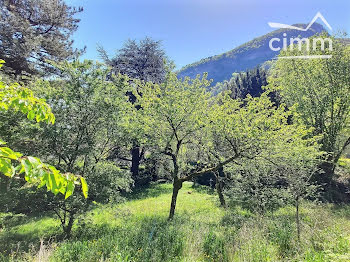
x=194, y=29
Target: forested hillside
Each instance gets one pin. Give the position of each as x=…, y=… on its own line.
x=244, y=57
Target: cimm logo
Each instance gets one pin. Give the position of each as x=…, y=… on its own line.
x=290, y=42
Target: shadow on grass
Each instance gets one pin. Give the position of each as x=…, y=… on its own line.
x=10, y=220
x=203, y=189
x=153, y=190
x=16, y=241
x=341, y=210
x=157, y=189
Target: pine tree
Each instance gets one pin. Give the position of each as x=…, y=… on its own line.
x=34, y=31
x=244, y=83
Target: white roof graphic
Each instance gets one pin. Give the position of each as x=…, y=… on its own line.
x=318, y=15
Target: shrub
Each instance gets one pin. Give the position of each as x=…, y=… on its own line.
x=106, y=181
x=10, y=220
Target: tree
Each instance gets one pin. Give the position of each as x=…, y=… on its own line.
x=276, y=154
x=241, y=85
x=295, y=164
x=202, y=134
x=172, y=118
x=266, y=184
x=254, y=130
x=17, y=98
x=146, y=61
x=88, y=110
x=297, y=173
x=244, y=83
x=34, y=31
x=319, y=89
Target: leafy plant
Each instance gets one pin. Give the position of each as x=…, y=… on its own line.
x=17, y=98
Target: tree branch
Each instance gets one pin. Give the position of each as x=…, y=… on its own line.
x=207, y=170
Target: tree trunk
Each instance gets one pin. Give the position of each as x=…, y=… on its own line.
x=219, y=186
x=135, y=162
x=68, y=229
x=177, y=185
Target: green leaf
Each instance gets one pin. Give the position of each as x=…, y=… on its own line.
x=8, y=153
x=70, y=189
x=17, y=98
x=6, y=168
x=27, y=166
x=43, y=180
x=31, y=115
x=53, y=184
x=84, y=186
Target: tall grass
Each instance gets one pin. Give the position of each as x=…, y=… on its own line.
x=138, y=230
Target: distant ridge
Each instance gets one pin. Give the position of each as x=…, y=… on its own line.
x=246, y=56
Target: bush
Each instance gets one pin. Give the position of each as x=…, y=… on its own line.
x=18, y=198
x=10, y=220
x=257, y=188
x=106, y=181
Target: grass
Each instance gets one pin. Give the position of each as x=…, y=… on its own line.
x=138, y=230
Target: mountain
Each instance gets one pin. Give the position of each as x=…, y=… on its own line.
x=246, y=56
